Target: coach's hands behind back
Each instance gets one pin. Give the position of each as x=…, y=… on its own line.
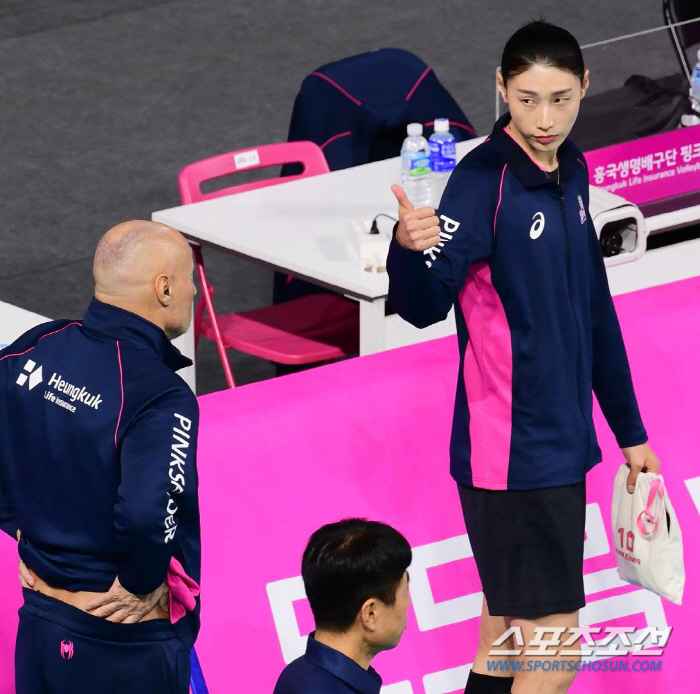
x=418, y=229
x=119, y=605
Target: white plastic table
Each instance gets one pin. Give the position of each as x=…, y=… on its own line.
x=301, y=228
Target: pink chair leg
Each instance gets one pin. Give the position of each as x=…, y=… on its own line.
x=197, y=251
x=198, y=316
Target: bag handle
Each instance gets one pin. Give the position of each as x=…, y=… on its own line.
x=657, y=487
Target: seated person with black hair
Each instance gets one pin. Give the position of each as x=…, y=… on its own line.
x=356, y=581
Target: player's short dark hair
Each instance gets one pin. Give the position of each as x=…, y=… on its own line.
x=541, y=43
x=348, y=562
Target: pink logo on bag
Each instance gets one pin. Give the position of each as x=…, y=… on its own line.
x=66, y=650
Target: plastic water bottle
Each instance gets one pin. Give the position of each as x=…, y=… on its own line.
x=415, y=167
x=695, y=86
x=443, y=157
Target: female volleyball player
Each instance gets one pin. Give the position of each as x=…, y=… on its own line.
x=513, y=249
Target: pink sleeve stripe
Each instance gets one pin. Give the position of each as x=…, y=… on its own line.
x=60, y=330
x=121, y=385
x=418, y=81
x=338, y=87
x=500, y=196
x=582, y=163
x=336, y=137
x=455, y=124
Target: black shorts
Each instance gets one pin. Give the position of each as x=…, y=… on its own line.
x=528, y=547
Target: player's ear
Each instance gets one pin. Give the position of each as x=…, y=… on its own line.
x=585, y=82
x=501, y=85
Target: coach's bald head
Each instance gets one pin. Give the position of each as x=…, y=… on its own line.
x=146, y=268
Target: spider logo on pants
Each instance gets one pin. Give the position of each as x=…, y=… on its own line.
x=66, y=650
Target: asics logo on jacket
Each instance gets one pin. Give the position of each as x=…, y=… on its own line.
x=537, y=226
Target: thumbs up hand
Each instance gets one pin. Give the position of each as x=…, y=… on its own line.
x=418, y=228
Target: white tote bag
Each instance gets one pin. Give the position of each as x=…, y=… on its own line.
x=647, y=537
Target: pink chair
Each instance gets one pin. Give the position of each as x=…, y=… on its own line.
x=308, y=330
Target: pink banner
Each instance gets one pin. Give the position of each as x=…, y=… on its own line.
x=369, y=437
x=651, y=168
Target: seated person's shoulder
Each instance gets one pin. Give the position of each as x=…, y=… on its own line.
x=302, y=676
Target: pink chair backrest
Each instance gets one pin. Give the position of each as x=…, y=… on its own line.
x=309, y=154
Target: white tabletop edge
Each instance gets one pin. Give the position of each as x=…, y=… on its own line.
x=327, y=199
x=378, y=289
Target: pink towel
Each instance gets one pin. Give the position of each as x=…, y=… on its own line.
x=182, y=591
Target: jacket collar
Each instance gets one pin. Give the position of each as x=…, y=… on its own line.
x=118, y=324
x=523, y=166
x=346, y=669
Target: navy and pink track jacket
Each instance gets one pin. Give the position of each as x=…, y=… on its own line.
x=520, y=261
x=98, y=441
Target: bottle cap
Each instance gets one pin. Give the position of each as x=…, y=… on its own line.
x=442, y=125
x=415, y=129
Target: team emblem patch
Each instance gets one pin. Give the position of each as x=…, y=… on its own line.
x=581, y=210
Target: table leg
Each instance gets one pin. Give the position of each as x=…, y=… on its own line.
x=372, y=326
x=185, y=343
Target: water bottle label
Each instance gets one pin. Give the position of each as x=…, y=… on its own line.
x=415, y=163
x=443, y=156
